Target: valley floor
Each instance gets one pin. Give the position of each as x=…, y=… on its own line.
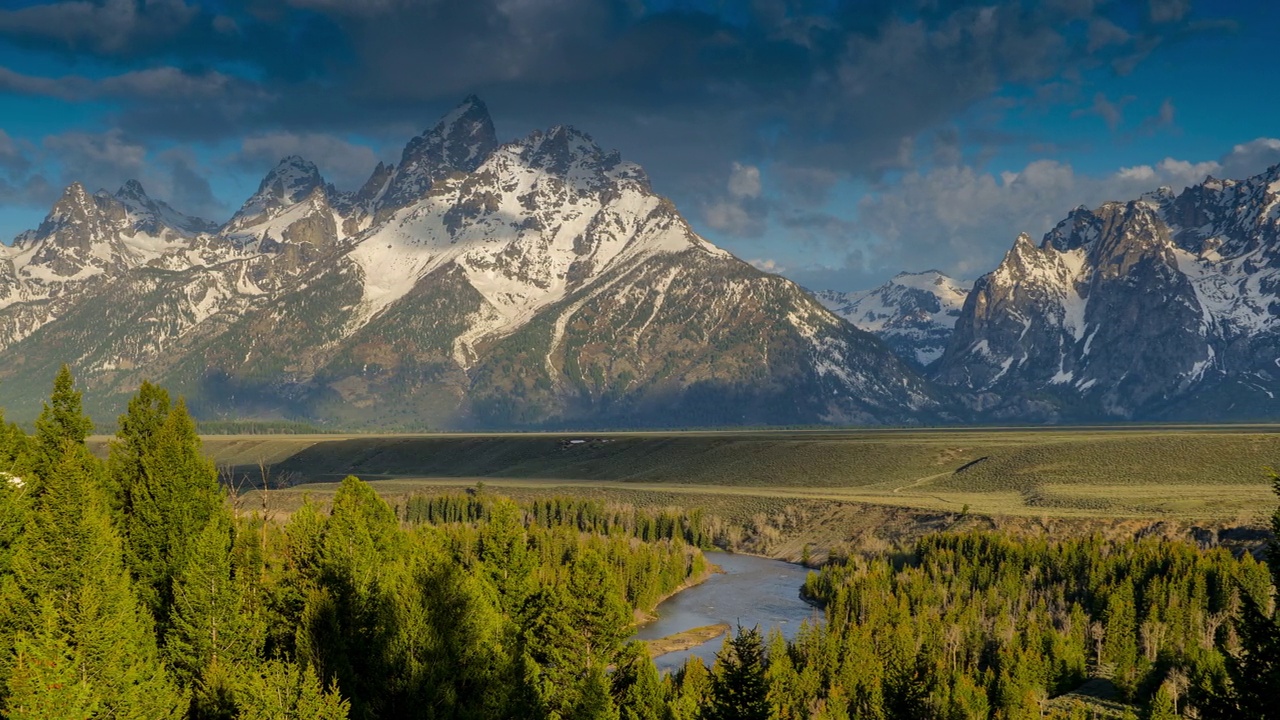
x=823, y=488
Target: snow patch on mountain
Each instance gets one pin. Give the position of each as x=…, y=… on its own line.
x=913, y=312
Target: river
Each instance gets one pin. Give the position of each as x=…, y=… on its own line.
x=751, y=591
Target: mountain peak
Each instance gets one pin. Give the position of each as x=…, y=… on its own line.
x=462, y=140
x=291, y=180
x=131, y=189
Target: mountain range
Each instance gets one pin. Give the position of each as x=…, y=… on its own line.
x=474, y=284
x=542, y=283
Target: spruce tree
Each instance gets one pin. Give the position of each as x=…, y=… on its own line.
x=62, y=422
x=45, y=681
x=278, y=690
x=1254, y=673
x=212, y=630
x=135, y=441
x=739, y=690
x=71, y=583
x=596, y=609
x=344, y=630
x=636, y=685
x=594, y=701
x=166, y=504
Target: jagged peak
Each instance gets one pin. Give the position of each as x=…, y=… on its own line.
x=290, y=181
x=471, y=109
x=462, y=139
x=132, y=189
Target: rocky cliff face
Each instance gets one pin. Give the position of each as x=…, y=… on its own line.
x=537, y=283
x=1162, y=307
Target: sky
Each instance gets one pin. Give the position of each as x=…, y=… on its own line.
x=836, y=143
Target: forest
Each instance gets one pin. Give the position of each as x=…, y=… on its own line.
x=134, y=587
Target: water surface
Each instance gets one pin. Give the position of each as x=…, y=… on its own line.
x=751, y=591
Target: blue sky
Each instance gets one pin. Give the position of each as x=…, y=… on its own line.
x=834, y=142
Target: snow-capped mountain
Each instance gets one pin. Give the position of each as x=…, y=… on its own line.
x=913, y=313
x=474, y=284
x=1163, y=307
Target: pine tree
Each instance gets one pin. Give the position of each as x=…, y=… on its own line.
x=62, y=422
x=166, y=504
x=594, y=701
x=45, y=682
x=135, y=441
x=739, y=690
x=71, y=582
x=212, y=629
x=636, y=684
x=1162, y=706
x=279, y=690
x=1254, y=673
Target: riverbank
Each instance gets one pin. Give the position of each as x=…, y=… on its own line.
x=640, y=617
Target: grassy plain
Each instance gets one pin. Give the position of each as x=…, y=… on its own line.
x=1194, y=473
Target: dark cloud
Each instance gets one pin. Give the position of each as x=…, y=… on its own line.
x=103, y=161
x=811, y=93
x=186, y=186
x=1112, y=113
x=113, y=27
x=342, y=162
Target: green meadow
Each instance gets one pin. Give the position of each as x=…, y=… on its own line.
x=1197, y=473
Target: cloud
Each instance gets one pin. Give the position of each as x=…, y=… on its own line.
x=1251, y=158
x=1166, y=11
x=13, y=156
x=113, y=27
x=768, y=265
x=37, y=174
x=97, y=159
x=744, y=181
x=1164, y=118
x=186, y=186
x=842, y=90
x=346, y=164
x=168, y=84
x=963, y=220
x=1111, y=112
x=740, y=211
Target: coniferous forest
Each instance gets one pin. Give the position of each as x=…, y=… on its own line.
x=131, y=588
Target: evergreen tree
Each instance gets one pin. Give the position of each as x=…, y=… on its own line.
x=345, y=630
x=166, y=504
x=213, y=630
x=45, y=682
x=1254, y=673
x=504, y=551
x=739, y=690
x=636, y=685
x=71, y=583
x=596, y=609
x=595, y=702
x=278, y=690
x=61, y=423
x=1162, y=706
x=135, y=442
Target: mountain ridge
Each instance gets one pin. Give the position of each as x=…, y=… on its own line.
x=476, y=284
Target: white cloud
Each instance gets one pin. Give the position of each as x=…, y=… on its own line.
x=740, y=210
x=744, y=181
x=963, y=219
x=768, y=265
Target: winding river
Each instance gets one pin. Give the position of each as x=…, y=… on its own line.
x=750, y=591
